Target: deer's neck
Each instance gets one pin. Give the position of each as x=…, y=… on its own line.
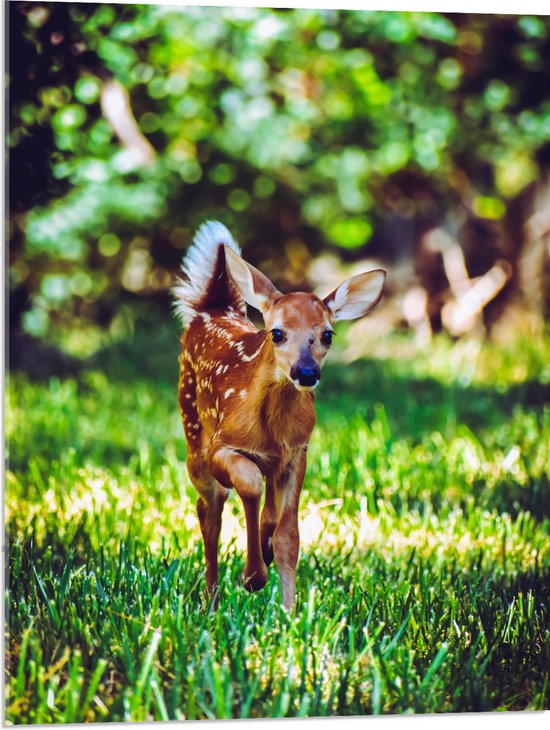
x=281, y=408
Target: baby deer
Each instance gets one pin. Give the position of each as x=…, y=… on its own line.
x=246, y=395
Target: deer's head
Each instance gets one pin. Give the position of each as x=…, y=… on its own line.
x=300, y=324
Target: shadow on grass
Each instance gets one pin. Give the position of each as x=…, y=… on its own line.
x=414, y=406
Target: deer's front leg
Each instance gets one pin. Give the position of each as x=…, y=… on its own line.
x=268, y=522
x=234, y=470
x=286, y=538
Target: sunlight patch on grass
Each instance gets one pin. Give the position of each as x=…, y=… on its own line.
x=449, y=536
x=465, y=362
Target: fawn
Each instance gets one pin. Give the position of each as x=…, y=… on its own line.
x=246, y=395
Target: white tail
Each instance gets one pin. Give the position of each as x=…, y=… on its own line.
x=199, y=267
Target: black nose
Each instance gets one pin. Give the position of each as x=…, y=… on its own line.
x=306, y=374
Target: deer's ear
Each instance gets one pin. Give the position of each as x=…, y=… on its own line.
x=356, y=296
x=254, y=287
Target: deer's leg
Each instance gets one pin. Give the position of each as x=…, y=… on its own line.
x=286, y=538
x=209, y=509
x=234, y=470
x=268, y=523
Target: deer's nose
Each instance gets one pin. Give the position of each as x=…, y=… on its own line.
x=306, y=373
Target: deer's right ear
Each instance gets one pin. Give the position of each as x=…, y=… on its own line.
x=254, y=287
x=355, y=297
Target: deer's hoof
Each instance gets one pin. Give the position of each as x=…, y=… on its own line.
x=256, y=580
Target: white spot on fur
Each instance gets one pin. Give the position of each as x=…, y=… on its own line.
x=228, y=392
x=243, y=393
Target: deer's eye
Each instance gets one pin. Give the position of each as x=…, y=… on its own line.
x=277, y=336
x=326, y=337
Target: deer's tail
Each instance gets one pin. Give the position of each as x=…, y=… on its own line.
x=205, y=283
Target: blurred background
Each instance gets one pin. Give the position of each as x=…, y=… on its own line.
x=327, y=141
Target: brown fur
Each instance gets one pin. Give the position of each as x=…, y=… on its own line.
x=240, y=414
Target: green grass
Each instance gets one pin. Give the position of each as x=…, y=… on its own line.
x=424, y=575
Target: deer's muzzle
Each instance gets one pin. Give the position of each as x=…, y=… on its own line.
x=306, y=373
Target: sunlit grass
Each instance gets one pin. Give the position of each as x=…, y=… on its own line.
x=462, y=363
x=424, y=572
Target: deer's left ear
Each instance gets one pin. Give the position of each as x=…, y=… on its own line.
x=356, y=296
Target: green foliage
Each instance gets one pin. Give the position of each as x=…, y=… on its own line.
x=255, y=115
x=425, y=564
